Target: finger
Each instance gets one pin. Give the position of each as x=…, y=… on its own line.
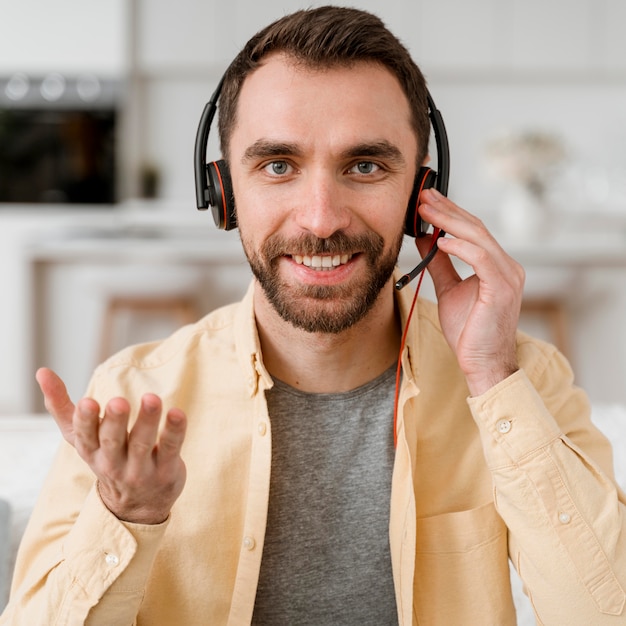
x=144, y=433
x=172, y=436
x=451, y=218
x=113, y=433
x=55, y=394
x=86, y=424
x=463, y=226
x=483, y=261
x=56, y=400
x=472, y=242
x=447, y=213
x=440, y=268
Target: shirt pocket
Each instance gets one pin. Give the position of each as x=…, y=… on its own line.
x=461, y=569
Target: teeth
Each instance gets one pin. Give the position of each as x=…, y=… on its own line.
x=319, y=262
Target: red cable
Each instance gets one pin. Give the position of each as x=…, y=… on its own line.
x=403, y=343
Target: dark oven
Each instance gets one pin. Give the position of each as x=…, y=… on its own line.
x=58, y=139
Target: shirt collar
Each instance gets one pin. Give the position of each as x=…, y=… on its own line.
x=248, y=345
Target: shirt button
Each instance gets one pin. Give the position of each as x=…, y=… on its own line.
x=262, y=428
x=249, y=543
x=112, y=560
x=565, y=518
x=503, y=426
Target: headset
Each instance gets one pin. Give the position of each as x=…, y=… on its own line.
x=214, y=187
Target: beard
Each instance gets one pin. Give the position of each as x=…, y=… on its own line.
x=323, y=308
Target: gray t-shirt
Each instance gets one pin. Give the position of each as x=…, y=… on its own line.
x=326, y=557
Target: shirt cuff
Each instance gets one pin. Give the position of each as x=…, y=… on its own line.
x=102, y=550
x=513, y=420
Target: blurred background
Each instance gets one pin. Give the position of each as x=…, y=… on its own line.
x=100, y=240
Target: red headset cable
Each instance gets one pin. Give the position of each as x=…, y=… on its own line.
x=435, y=237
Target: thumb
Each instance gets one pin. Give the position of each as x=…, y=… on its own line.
x=57, y=400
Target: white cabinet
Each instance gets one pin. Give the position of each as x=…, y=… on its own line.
x=66, y=36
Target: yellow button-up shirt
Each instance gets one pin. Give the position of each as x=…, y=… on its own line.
x=518, y=472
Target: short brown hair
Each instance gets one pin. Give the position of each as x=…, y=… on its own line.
x=327, y=37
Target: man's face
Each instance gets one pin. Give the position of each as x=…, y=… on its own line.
x=322, y=164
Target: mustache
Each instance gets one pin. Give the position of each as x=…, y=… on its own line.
x=309, y=245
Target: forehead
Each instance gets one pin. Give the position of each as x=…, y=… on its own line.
x=287, y=100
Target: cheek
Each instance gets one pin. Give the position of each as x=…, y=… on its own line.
x=255, y=220
x=387, y=215
x=254, y=202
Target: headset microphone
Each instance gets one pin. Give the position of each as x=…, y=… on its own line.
x=214, y=188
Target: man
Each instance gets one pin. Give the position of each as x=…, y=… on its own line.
x=273, y=492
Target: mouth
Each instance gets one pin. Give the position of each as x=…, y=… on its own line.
x=322, y=262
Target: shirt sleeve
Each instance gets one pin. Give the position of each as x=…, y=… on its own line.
x=77, y=563
x=554, y=488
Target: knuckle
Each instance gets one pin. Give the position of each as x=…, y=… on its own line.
x=169, y=446
x=109, y=473
x=139, y=447
x=481, y=226
x=482, y=256
x=109, y=443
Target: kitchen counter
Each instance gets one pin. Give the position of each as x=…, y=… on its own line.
x=137, y=243
x=74, y=272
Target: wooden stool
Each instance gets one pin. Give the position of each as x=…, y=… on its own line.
x=554, y=312
x=182, y=309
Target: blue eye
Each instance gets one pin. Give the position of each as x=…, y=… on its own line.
x=278, y=168
x=365, y=167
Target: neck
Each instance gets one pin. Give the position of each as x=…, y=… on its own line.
x=325, y=362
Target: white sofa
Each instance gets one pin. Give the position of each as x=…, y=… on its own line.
x=28, y=444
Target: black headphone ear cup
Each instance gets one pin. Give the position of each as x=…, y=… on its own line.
x=222, y=200
x=414, y=225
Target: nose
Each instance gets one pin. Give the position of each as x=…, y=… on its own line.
x=323, y=207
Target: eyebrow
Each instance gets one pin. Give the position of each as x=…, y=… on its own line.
x=378, y=149
x=264, y=148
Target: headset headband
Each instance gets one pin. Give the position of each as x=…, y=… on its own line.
x=203, y=199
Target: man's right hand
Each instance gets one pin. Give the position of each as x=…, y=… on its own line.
x=140, y=473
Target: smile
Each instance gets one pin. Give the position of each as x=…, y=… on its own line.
x=319, y=262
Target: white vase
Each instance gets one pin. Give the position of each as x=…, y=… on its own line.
x=524, y=215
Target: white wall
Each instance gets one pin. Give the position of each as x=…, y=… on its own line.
x=67, y=36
